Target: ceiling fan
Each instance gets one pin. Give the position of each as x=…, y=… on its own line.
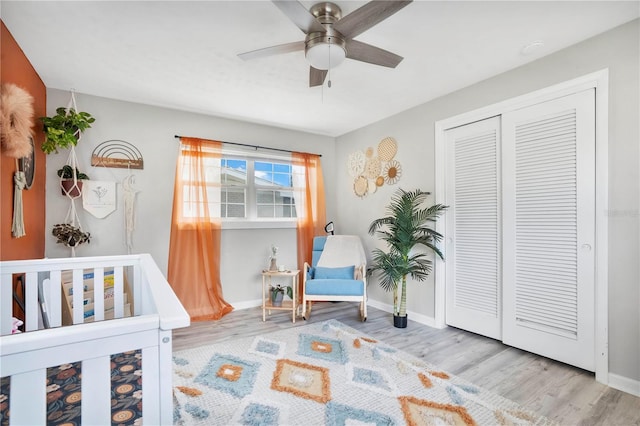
x=329, y=36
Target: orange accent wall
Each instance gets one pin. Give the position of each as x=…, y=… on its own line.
x=15, y=68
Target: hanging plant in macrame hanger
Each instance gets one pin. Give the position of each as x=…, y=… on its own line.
x=64, y=130
x=70, y=233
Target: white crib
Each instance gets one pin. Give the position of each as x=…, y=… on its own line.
x=25, y=357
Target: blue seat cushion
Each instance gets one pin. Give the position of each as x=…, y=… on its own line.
x=341, y=273
x=335, y=287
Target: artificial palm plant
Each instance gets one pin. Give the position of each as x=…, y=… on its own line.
x=406, y=227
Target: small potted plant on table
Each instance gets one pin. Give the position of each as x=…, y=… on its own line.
x=277, y=294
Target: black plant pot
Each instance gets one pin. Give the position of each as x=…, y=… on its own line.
x=400, y=322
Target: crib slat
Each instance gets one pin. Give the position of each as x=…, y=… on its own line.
x=118, y=292
x=96, y=391
x=78, y=296
x=28, y=398
x=151, y=386
x=6, y=303
x=98, y=293
x=137, y=292
x=54, y=305
x=31, y=302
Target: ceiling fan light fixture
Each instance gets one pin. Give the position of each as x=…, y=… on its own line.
x=325, y=50
x=325, y=56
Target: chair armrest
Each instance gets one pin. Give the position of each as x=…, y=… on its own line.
x=363, y=271
x=305, y=270
x=360, y=273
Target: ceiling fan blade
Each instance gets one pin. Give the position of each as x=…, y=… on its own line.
x=273, y=50
x=364, y=52
x=316, y=77
x=300, y=16
x=367, y=16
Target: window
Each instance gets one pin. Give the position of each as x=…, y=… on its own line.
x=274, y=190
x=244, y=189
x=233, y=175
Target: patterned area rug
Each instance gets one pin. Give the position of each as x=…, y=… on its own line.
x=327, y=373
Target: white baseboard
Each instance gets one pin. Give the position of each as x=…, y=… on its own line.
x=624, y=384
x=422, y=319
x=246, y=304
x=413, y=316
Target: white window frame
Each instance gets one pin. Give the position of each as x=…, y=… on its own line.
x=252, y=221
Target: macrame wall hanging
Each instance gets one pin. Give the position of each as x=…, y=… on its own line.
x=17, y=222
x=371, y=169
x=16, y=136
x=129, y=194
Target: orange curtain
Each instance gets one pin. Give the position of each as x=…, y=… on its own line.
x=194, y=248
x=311, y=210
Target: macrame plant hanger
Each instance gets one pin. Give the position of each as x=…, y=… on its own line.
x=75, y=190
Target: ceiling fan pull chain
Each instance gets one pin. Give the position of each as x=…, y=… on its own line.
x=329, y=80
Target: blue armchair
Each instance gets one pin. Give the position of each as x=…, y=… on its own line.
x=337, y=273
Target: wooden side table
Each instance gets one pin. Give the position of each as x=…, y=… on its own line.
x=266, y=298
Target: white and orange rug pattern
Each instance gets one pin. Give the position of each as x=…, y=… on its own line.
x=327, y=374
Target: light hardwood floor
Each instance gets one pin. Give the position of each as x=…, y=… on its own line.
x=566, y=394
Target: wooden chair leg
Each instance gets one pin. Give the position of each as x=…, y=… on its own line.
x=306, y=314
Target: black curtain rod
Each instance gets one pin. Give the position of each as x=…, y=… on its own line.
x=255, y=146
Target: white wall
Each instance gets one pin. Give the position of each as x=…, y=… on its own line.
x=152, y=131
x=617, y=50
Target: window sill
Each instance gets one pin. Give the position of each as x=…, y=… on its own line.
x=258, y=224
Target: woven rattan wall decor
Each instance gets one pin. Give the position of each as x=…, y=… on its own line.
x=372, y=168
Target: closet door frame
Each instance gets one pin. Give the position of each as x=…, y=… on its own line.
x=600, y=82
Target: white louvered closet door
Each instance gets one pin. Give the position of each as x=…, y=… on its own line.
x=473, y=228
x=548, y=156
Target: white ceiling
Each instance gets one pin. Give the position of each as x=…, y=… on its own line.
x=183, y=54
